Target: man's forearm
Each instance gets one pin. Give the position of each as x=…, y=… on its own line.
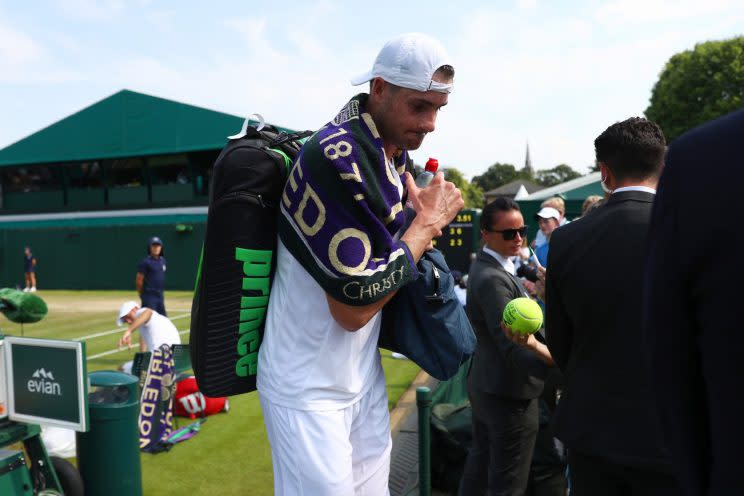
x=417, y=237
x=138, y=282
x=352, y=318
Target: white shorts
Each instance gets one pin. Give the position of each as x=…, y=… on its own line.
x=331, y=452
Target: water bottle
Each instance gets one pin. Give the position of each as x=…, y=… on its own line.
x=430, y=169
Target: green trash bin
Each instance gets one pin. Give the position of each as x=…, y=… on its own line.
x=108, y=454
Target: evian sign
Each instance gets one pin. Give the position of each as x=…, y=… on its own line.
x=47, y=382
x=42, y=382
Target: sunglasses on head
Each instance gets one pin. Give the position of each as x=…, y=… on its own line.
x=510, y=234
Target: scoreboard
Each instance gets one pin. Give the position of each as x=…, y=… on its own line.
x=459, y=239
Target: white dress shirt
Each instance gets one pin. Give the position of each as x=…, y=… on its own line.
x=505, y=262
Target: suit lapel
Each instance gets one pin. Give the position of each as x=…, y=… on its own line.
x=488, y=259
x=517, y=285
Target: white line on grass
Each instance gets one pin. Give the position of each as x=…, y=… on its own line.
x=119, y=329
x=117, y=350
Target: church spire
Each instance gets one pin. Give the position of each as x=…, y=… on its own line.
x=527, y=162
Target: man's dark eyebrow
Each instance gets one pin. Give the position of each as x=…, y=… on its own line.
x=424, y=101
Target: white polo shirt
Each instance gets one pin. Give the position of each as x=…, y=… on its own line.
x=157, y=331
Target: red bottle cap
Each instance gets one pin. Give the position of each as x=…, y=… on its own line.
x=432, y=165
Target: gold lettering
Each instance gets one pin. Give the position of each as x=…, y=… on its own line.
x=340, y=132
x=310, y=194
x=156, y=363
x=346, y=286
x=342, y=235
x=352, y=176
x=367, y=290
x=336, y=150
x=393, y=212
x=367, y=118
x=292, y=181
x=150, y=393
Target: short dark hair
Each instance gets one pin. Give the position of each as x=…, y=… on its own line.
x=632, y=149
x=500, y=204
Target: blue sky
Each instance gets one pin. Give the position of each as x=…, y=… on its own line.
x=554, y=73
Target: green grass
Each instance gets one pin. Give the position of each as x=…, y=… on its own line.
x=231, y=454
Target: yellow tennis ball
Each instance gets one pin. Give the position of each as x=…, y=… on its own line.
x=523, y=315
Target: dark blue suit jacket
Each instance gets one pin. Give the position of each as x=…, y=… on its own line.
x=694, y=289
x=593, y=299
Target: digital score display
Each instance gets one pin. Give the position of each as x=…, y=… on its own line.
x=458, y=241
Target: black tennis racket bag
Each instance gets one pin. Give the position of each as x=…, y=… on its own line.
x=238, y=258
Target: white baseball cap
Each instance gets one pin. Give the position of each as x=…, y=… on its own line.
x=547, y=213
x=124, y=310
x=409, y=60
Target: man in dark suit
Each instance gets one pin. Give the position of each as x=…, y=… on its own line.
x=695, y=335
x=606, y=416
x=505, y=379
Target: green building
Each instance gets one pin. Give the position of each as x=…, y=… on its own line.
x=86, y=192
x=573, y=192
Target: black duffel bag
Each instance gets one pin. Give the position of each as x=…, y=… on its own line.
x=238, y=258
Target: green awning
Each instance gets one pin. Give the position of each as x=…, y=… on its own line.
x=125, y=124
x=575, y=189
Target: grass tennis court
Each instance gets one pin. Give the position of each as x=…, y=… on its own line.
x=231, y=454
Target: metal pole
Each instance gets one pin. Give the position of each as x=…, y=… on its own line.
x=423, y=401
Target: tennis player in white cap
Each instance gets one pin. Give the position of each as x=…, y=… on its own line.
x=319, y=374
x=155, y=329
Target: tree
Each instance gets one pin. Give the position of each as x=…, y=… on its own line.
x=471, y=193
x=498, y=175
x=558, y=174
x=698, y=85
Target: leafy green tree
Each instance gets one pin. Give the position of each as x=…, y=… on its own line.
x=698, y=85
x=471, y=193
x=558, y=174
x=497, y=175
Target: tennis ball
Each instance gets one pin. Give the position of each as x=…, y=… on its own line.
x=523, y=315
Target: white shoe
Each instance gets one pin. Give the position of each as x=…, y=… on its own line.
x=32, y=290
x=26, y=289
